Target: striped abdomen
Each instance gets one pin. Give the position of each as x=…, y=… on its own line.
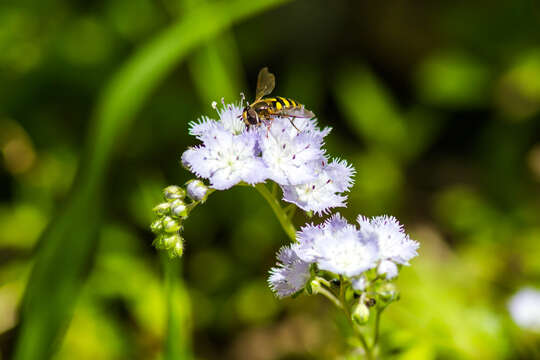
x=279, y=103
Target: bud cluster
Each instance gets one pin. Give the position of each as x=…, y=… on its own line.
x=171, y=213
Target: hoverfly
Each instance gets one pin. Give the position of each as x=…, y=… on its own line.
x=263, y=111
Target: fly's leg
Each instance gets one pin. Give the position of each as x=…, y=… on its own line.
x=292, y=123
x=268, y=124
x=291, y=119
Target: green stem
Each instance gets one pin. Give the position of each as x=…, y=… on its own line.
x=330, y=296
x=369, y=354
x=376, y=327
x=347, y=310
x=284, y=220
x=323, y=281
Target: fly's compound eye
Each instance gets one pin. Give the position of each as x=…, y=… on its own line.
x=252, y=120
x=252, y=117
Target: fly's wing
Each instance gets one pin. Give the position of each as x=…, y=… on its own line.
x=298, y=112
x=266, y=81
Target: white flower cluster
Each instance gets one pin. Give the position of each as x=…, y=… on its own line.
x=343, y=249
x=525, y=309
x=230, y=153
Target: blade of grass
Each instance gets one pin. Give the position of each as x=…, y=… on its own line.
x=65, y=250
x=178, y=339
x=215, y=71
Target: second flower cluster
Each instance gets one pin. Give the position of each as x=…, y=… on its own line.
x=342, y=249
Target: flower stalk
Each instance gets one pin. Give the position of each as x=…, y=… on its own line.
x=281, y=214
x=378, y=313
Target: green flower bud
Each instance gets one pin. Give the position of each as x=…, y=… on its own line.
x=173, y=192
x=178, y=249
x=179, y=208
x=157, y=226
x=388, y=293
x=171, y=225
x=157, y=243
x=197, y=190
x=360, y=313
x=169, y=242
x=161, y=209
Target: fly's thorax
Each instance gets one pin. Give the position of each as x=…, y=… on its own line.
x=261, y=106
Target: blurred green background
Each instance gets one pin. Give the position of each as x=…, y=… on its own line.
x=435, y=103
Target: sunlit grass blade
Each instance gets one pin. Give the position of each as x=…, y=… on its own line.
x=62, y=259
x=65, y=250
x=215, y=67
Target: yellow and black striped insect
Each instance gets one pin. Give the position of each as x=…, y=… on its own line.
x=264, y=110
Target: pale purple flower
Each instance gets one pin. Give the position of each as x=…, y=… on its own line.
x=394, y=244
x=289, y=154
x=229, y=119
x=359, y=283
x=230, y=116
x=229, y=153
x=388, y=268
x=202, y=125
x=226, y=159
x=326, y=191
x=337, y=246
x=304, y=125
x=290, y=275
